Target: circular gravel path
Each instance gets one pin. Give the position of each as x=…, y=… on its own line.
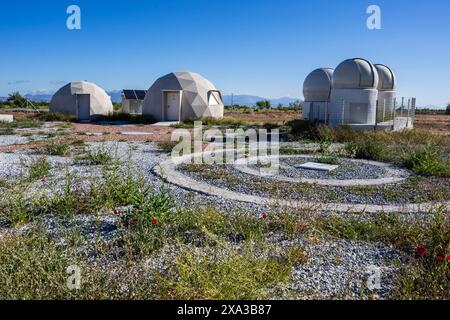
x=391, y=173
x=168, y=170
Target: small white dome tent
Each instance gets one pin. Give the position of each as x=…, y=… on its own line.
x=83, y=100
x=179, y=96
x=354, y=94
x=316, y=91
x=387, y=88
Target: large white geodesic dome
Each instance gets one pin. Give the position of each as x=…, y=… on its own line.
x=355, y=73
x=318, y=84
x=67, y=99
x=198, y=97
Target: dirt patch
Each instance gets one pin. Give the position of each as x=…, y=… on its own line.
x=262, y=117
x=434, y=123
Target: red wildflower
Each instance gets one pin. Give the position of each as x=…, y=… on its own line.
x=154, y=222
x=421, y=250
x=264, y=215
x=439, y=258
x=448, y=257
x=116, y=212
x=133, y=222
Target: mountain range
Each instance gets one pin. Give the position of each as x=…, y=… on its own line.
x=249, y=100
x=243, y=100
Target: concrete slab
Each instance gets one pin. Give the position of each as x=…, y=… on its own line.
x=317, y=166
x=6, y=118
x=165, y=123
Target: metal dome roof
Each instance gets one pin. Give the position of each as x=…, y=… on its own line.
x=355, y=73
x=387, y=79
x=318, y=84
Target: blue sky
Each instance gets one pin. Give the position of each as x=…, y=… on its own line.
x=259, y=47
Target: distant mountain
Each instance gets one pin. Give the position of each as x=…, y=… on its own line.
x=116, y=95
x=243, y=100
x=2, y=99
x=249, y=100
x=39, y=97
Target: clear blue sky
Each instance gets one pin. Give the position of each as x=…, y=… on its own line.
x=259, y=47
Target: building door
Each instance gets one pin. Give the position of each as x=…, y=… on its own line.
x=84, y=107
x=173, y=106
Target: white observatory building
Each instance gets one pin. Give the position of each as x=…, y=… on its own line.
x=357, y=94
x=386, y=89
x=317, y=91
x=354, y=95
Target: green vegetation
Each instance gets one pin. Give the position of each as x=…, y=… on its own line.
x=240, y=273
x=96, y=157
x=366, y=149
x=56, y=148
x=56, y=116
x=426, y=277
x=428, y=161
x=39, y=168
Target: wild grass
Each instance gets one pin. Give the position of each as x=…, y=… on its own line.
x=426, y=276
x=95, y=157
x=230, y=274
x=56, y=147
x=39, y=168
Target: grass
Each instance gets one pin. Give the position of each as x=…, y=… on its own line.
x=428, y=161
x=38, y=169
x=241, y=273
x=96, y=157
x=425, y=277
x=56, y=116
x=56, y=148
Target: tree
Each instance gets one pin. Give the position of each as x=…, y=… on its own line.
x=447, y=111
x=16, y=98
x=263, y=104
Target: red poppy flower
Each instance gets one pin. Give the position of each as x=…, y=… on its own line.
x=421, y=250
x=116, y=212
x=264, y=215
x=448, y=257
x=439, y=258
x=154, y=222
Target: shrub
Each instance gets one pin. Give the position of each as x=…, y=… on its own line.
x=366, y=149
x=427, y=161
x=328, y=159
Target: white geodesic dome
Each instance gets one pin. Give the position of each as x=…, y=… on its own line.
x=199, y=98
x=355, y=73
x=65, y=100
x=318, y=84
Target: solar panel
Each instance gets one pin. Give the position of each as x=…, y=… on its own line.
x=129, y=94
x=140, y=94
x=134, y=94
